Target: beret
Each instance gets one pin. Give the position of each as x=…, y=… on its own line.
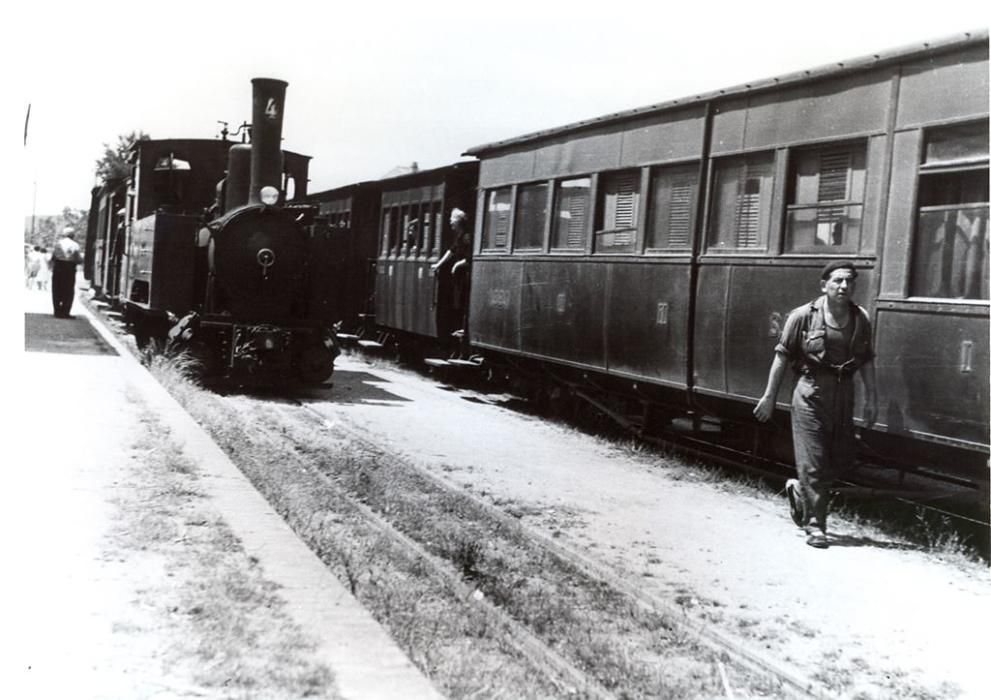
x=838, y=265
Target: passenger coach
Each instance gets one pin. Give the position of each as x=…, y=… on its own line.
x=343, y=250
x=389, y=233
x=665, y=245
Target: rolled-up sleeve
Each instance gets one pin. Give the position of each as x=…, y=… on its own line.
x=789, y=340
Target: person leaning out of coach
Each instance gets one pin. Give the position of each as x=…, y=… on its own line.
x=65, y=256
x=826, y=341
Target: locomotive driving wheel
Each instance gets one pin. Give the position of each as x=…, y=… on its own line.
x=315, y=364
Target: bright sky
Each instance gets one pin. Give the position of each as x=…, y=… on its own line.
x=383, y=84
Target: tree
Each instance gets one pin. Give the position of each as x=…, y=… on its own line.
x=114, y=164
x=77, y=219
x=45, y=230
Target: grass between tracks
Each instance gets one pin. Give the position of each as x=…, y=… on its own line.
x=449, y=636
x=313, y=474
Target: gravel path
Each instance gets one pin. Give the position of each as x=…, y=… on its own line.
x=870, y=616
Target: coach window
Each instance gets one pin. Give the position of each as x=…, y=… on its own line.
x=426, y=229
x=438, y=228
x=418, y=224
x=386, y=231
x=572, y=201
x=741, y=204
x=826, y=200
x=617, y=212
x=531, y=217
x=404, y=231
x=395, y=232
x=671, y=219
x=497, y=210
x=950, y=256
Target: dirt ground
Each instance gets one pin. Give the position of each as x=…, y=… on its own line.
x=871, y=615
x=122, y=580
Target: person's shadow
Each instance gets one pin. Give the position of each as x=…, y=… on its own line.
x=836, y=540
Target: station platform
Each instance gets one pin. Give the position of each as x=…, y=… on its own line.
x=83, y=616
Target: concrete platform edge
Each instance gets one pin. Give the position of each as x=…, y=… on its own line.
x=365, y=661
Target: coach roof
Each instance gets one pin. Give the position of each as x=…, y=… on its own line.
x=831, y=70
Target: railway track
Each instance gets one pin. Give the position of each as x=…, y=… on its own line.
x=577, y=675
x=734, y=663
x=566, y=675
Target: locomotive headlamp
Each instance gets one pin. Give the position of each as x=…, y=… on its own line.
x=269, y=195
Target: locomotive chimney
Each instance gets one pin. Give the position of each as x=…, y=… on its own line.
x=269, y=97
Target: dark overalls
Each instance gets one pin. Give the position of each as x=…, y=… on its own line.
x=63, y=286
x=823, y=400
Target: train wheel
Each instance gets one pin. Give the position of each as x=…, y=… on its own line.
x=315, y=364
x=142, y=336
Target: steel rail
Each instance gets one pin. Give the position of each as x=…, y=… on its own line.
x=793, y=683
x=527, y=644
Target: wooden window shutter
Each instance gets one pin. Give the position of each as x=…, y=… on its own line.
x=748, y=214
x=680, y=213
x=576, y=224
x=627, y=193
x=502, y=227
x=834, y=169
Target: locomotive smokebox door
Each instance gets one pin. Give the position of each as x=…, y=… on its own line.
x=259, y=256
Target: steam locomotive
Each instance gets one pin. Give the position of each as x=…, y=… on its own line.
x=205, y=246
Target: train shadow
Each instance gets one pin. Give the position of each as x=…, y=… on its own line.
x=352, y=387
x=346, y=387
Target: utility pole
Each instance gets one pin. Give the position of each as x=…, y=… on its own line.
x=34, y=204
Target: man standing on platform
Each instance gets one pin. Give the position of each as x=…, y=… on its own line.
x=65, y=257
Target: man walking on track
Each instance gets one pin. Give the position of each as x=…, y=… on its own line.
x=826, y=341
x=65, y=257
